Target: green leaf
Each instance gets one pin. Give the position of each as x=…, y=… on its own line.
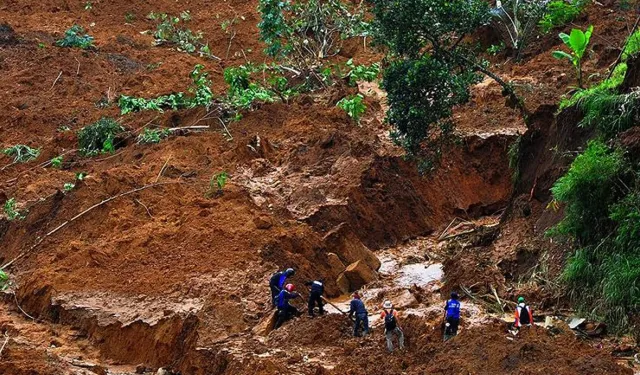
x=562, y=55
x=565, y=38
x=577, y=41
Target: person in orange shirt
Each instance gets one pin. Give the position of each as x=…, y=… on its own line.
x=523, y=314
x=391, y=325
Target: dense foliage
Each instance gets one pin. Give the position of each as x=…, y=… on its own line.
x=75, y=37
x=601, y=194
x=99, y=137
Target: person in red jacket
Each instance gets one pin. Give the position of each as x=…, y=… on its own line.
x=524, y=317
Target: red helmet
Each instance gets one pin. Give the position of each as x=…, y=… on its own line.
x=290, y=287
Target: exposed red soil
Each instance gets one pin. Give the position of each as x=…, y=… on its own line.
x=169, y=278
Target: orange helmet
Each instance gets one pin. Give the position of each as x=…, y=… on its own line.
x=290, y=287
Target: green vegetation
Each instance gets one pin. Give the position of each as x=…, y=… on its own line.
x=430, y=67
x=243, y=92
x=560, y=13
x=130, y=17
x=172, y=30
x=151, y=136
x=354, y=106
x=68, y=186
x=516, y=21
x=577, y=43
x=200, y=90
x=99, y=137
x=11, y=212
x=217, y=184
x=57, y=162
x=601, y=194
x=359, y=73
x=76, y=37
x=305, y=32
x=21, y=153
x=4, y=280
x=495, y=49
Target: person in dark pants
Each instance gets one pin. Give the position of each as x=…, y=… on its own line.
x=452, y=316
x=315, y=296
x=362, y=316
x=285, y=310
x=277, y=282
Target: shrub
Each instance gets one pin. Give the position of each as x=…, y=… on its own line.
x=202, y=95
x=516, y=20
x=560, y=13
x=99, y=136
x=11, y=212
x=362, y=72
x=4, y=280
x=68, y=186
x=150, y=136
x=57, y=162
x=354, y=106
x=305, y=32
x=21, y=153
x=74, y=38
x=172, y=30
x=242, y=91
x=589, y=188
x=577, y=43
x=430, y=67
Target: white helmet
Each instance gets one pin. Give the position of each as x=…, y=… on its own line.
x=387, y=305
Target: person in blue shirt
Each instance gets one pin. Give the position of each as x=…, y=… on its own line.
x=451, y=316
x=278, y=281
x=285, y=310
x=315, y=296
x=362, y=316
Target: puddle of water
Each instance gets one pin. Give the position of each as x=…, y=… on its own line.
x=419, y=274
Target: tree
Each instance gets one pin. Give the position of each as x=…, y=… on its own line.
x=431, y=68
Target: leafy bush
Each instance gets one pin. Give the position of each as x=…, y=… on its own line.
x=57, y=162
x=495, y=49
x=150, y=136
x=516, y=20
x=242, y=91
x=305, y=32
x=362, y=72
x=431, y=68
x=11, y=212
x=99, y=136
x=172, y=30
x=4, y=280
x=577, y=43
x=68, y=186
x=202, y=95
x=589, y=188
x=421, y=93
x=354, y=106
x=560, y=13
x=21, y=153
x=74, y=38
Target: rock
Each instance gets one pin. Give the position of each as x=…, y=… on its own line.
x=265, y=325
x=359, y=274
x=404, y=300
x=162, y=371
x=141, y=369
x=335, y=263
x=342, y=241
x=263, y=222
x=343, y=283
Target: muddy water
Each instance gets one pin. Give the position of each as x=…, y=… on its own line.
x=404, y=268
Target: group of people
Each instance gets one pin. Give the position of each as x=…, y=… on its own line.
x=282, y=292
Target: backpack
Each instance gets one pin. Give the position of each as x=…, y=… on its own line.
x=524, y=315
x=390, y=321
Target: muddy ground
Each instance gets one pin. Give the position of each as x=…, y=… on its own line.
x=168, y=278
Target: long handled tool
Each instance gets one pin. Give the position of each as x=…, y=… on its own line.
x=337, y=308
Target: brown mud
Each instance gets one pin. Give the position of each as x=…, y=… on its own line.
x=168, y=278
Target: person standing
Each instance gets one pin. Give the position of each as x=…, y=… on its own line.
x=391, y=326
x=357, y=308
x=315, y=296
x=451, y=316
x=524, y=317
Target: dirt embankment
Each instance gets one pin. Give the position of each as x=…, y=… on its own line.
x=169, y=278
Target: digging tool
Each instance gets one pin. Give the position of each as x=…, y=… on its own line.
x=337, y=308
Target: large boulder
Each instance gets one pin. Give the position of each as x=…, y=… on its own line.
x=359, y=274
x=342, y=241
x=335, y=263
x=343, y=283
